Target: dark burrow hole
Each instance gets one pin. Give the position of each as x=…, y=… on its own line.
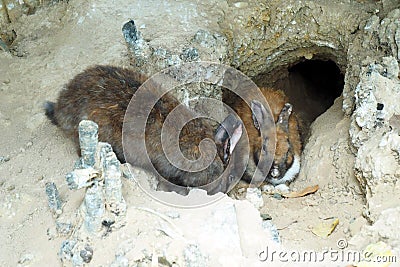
x=311, y=85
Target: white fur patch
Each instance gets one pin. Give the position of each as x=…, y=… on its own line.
x=292, y=171
x=283, y=188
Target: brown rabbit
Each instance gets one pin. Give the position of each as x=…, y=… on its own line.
x=102, y=94
x=286, y=162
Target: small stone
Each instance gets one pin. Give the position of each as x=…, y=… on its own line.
x=4, y=159
x=162, y=261
x=26, y=258
x=11, y=188
x=94, y=208
x=255, y=197
x=107, y=223
x=88, y=139
x=277, y=196
x=265, y=216
x=86, y=254
x=53, y=198
x=130, y=32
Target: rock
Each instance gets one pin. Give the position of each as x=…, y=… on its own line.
x=384, y=229
x=190, y=54
x=53, y=198
x=255, y=197
x=137, y=46
x=86, y=254
x=377, y=39
x=221, y=230
x=265, y=216
x=94, y=208
x=377, y=144
x=111, y=173
x=81, y=178
x=88, y=139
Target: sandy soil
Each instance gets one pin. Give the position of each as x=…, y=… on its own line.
x=55, y=44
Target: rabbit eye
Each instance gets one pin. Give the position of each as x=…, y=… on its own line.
x=275, y=172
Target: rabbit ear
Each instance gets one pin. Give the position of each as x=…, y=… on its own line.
x=283, y=119
x=228, y=135
x=259, y=114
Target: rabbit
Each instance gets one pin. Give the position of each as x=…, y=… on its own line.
x=288, y=147
x=103, y=93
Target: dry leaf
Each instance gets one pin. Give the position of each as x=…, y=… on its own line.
x=326, y=228
x=302, y=193
x=374, y=252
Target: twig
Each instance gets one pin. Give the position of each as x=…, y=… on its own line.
x=164, y=217
x=289, y=224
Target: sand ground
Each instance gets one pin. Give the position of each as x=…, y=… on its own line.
x=55, y=44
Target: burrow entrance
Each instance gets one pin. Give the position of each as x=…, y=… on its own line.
x=311, y=85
